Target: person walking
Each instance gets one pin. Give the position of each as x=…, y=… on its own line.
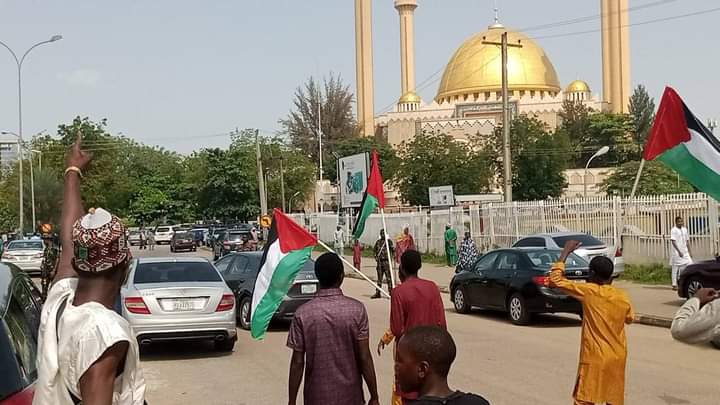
x=468, y=254
x=151, y=239
x=382, y=263
x=405, y=242
x=329, y=337
x=680, y=254
x=143, y=239
x=450, y=245
x=698, y=320
x=422, y=363
x=415, y=302
x=603, y=345
x=86, y=351
x=357, y=254
x=339, y=238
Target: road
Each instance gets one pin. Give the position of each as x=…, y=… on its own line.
x=507, y=364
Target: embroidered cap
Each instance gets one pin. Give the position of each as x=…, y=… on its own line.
x=100, y=242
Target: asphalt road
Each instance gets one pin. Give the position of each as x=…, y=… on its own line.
x=507, y=364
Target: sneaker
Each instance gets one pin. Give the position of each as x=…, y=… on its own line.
x=375, y=296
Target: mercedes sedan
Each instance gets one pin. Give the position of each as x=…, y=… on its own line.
x=516, y=281
x=26, y=254
x=179, y=299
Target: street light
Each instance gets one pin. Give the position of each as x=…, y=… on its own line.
x=32, y=175
x=290, y=206
x=19, y=63
x=602, y=151
x=39, y=152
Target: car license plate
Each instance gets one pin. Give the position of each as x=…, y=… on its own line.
x=308, y=288
x=183, y=304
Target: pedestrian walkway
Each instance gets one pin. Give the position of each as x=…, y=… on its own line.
x=654, y=304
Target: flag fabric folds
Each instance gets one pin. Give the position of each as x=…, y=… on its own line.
x=374, y=196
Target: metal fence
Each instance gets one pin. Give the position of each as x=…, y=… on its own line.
x=646, y=223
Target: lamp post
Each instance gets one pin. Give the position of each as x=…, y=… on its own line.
x=19, y=62
x=290, y=203
x=39, y=152
x=600, y=152
x=32, y=177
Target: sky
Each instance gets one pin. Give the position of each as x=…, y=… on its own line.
x=182, y=74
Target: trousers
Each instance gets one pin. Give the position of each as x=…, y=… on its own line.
x=383, y=271
x=676, y=272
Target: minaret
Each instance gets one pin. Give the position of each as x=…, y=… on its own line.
x=364, y=67
x=616, y=54
x=409, y=100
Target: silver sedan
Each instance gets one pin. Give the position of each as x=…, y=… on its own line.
x=182, y=298
x=26, y=254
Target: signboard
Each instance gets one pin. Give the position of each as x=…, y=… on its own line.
x=353, y=173
x=265, y=221
x=441, y=196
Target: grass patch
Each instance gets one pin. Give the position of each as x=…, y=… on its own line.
x=647, y=273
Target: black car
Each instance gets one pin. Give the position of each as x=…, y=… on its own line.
x=19, y=323
x=183, y=241
x=240, y=271
x=516, y=281
x=699, y=275
x=230, y=241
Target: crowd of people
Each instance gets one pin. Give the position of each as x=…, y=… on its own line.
x=87, y=352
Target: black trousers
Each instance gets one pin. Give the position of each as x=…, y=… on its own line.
x=383, y=271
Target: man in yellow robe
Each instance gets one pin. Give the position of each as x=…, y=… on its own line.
x=603, y=345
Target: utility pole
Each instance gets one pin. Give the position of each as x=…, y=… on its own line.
x=261, y=176
x=282, y=182
x=319, y=134
x=507, y=162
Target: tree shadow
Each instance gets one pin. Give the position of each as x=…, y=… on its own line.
x=542, y=321
x=180, y=350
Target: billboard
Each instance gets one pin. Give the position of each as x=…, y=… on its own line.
x=353, y=173
x=441, y=196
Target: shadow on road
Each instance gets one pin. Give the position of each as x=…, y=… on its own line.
x=180, y=351
x=538, y=320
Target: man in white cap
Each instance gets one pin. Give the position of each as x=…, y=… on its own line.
x=87, y=351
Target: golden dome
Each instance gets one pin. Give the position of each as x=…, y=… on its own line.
x=577, y=86
x=410, y=97
x=477, y=68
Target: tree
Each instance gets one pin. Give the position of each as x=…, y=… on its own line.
x=437, y=160
x=333, y=103
x=612, y=130
x=358, y=144
x=538, y=159
x=642, y=111
x=656, y=179
x=575, y=124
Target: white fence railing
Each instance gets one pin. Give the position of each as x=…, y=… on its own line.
x=645, y=235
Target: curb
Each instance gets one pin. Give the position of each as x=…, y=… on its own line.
x=642, y=319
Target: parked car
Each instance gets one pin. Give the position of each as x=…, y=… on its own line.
x=591, y=246
x=19, y=322
x=516, y=281
x=134, y=238
x=183, y=241
x=199, y=235
x=179, y=299
x=164, y=234
x=26, y=254
x=240, y=270
x=230, y=241
x=213, y=234
x=699, y=275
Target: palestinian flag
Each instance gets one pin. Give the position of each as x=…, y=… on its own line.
x=682, y=142
x=287, y=249
x=374, y=196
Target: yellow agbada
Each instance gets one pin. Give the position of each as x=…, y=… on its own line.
x=603, y=345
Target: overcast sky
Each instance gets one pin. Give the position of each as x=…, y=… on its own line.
x=182, y=73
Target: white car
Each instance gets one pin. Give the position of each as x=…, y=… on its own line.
x=591, y=246
x=164, y=234
x=26, y=254
x=185, y=298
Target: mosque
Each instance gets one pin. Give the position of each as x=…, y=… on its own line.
x=469, y=98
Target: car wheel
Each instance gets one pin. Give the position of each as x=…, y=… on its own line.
x=244, y=313
x=226, y=345
x=460, y=299
x=172, y=249
x=194, y=249
x=517, y=310
x=716, y=343
x=692, y=286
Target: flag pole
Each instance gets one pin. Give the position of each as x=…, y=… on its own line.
x=630, y=203
x=321, y=243
x=637, y=179
x=387, y=247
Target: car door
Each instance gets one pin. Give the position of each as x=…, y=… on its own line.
x=476, y=283
x=500, y=278
x=224, y=266
x=531, y=242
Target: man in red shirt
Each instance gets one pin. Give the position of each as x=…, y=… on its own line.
x=415, y=302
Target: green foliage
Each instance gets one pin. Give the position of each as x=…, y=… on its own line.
x=656, y=179
x=647, y=273
x=8, y=217
x=354, y=145
x=538, y=159
x=642, y=111
x=436, y=160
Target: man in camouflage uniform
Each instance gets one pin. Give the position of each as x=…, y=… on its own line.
x=383, y=262
x=50, y=259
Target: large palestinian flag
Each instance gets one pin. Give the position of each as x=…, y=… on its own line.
x=374, y=196
x=682, y=142
x=287, y=249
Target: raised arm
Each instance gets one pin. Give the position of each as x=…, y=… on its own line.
x=72, y=209
x=557, y=273
x=698, y=321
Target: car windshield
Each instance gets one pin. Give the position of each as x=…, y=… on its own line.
x=26, y=245
x=175, y=272
x=586, y=240
x=545, y=259
x=183, y=235
x=163, y=229
x=236, y=235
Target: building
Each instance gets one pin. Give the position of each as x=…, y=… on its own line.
x=8, y=154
